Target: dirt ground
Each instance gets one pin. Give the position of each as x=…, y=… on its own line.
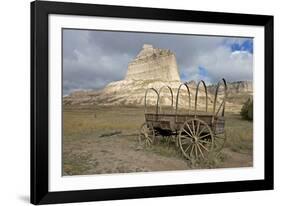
x=104, y=140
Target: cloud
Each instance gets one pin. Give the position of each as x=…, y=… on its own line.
x=222, y=62
x=92, y=59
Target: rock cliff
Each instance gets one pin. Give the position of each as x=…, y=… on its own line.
x=154, y=68
x=235, y=87
x=153, y=64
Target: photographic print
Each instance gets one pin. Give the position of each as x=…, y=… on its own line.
x=135, y=102
x=146, y=102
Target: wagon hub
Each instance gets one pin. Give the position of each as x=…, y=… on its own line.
x=195, y=138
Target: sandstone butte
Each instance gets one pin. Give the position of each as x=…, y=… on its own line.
x=152, y=67
x=153, y=64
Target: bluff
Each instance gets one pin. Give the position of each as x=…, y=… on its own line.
x=154, y=67
x=153, y=64
x=235, y=87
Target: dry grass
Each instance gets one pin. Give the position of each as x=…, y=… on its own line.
x=99, y=120
x=239, y=134
x=88, y=130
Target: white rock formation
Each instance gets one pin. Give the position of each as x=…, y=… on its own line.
x=153, y=64
x=152, y=67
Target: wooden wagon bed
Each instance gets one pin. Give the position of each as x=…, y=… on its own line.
x=173, y=122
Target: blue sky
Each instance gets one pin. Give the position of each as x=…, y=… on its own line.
x=92, y=59
x=246, y=45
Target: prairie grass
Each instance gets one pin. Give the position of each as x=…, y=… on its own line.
x=84, y=125
x=239, y=133
x=95, y=121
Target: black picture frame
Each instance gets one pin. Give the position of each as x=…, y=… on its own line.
x=40, y=112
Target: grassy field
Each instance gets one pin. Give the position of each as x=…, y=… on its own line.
x=104, y=140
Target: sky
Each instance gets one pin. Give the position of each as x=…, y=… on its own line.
x=92, y=59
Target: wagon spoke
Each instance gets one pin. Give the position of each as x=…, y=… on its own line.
x=189, y=128
x=204, y=141
x=202, y=130
x=193, y=127
x=185, y=141
x=203, y=146
x=200, y=151
x=196, y=152
x=206, y=135
x=187, y=132
x=187, y=148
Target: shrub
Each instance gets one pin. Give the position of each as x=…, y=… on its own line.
x=247, y=110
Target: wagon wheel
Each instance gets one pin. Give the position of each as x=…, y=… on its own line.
x=195, y=139
x=147, y=135
x=219, y=141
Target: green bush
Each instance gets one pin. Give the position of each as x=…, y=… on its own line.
x=247, y=110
